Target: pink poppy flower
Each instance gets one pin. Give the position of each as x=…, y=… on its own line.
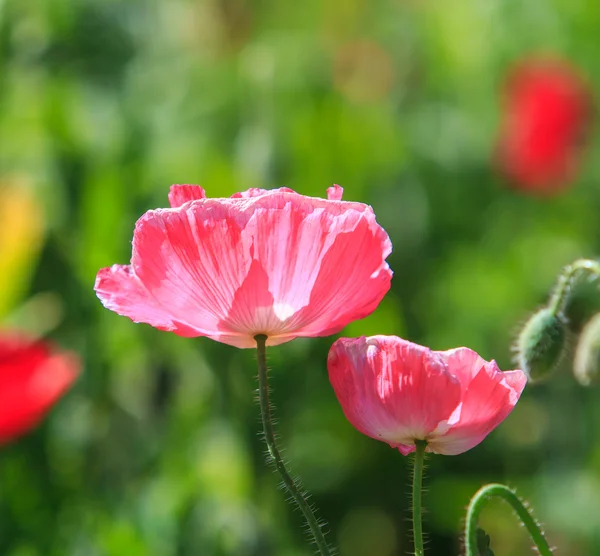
x=547, y=107
x=261, y=262
x=32, y=378
x=398, y=392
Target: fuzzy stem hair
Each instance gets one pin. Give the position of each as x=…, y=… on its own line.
x=292, y=486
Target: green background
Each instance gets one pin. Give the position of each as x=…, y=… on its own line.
x=155, y=451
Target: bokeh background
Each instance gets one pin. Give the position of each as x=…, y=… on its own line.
x=155, y=451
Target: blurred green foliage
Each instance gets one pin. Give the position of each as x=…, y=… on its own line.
x=105, y=103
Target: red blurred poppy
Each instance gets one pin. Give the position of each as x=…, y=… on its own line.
x=32, y=378
x=546, y=110
x=261, y=262
x=399, y=392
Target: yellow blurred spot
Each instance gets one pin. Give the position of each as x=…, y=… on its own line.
x=21, y=235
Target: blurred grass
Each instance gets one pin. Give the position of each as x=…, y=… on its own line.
x=104, y=104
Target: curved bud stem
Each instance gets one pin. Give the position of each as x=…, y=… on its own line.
x=561, y=293
x=416, y=496
x=502, y=491
x=586, y=363
x=274, y=456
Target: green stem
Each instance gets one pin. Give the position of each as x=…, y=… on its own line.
x=566, y=279
x=416, y=496
x=292, y=486
x=476, y=505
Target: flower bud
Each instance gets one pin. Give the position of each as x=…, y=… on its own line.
x=541, y=344
x=586, y=364
x=583, y=303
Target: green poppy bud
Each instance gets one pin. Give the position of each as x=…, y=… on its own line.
x=541, y=344
x=586, y=364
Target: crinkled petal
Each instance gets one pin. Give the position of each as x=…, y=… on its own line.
x=463, y=363
x=193, y=261
x=181, y=194
x=185, y=271
x=335, y=192
x=257, y=192
x=338, y=274
x=488, y=399
x=391, y=389
x=516, y=381
x=121, y=291
x=353, y=277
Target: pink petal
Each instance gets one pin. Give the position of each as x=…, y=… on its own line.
x=257, y=192
x=405, y=449
x=516, y=381
x=253, y=307
x=464, y=364
x=335, y=192
x=341, y=275
x=180, y=194
x=121, y=291
x=391, y=389
x=184, y=274
x=486, y=402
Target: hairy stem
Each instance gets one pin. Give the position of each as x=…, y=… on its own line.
x=275, y=457
x=416, y=497
x=502, y=491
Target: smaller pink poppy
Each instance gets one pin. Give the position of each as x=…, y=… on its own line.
x=399, y=392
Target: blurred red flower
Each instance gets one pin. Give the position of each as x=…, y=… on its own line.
x=546, y=110
x=398, y=392
x=32, y=378
x=261, y=262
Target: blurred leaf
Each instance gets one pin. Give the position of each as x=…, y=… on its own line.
x=483, y=543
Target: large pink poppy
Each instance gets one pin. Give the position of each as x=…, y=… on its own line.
x=261, y=262
x=399, y=392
